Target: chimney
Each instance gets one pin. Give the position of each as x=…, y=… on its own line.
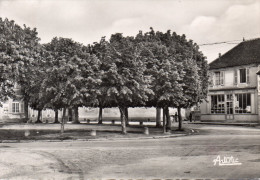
x=219, y=55
x=243, y=39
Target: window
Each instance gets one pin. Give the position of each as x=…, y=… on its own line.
x=15, y=107
x=242, y=73
x=219, y=78
x=243, y=103
x=217, y=104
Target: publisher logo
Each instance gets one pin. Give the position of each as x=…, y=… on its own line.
x=226, y=161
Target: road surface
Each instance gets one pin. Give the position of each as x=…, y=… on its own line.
x=182, y=157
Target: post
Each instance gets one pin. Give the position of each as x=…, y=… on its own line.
x=93, y=132
x=146, y=131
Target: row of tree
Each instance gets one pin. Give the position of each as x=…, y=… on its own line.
x=152, y=69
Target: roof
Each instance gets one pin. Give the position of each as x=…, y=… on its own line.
x=245, y=53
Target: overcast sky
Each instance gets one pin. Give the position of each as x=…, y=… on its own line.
x=86, y=21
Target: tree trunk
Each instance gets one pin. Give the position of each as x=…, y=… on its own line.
x=179, y=118
x=63, y=121
x=39, y=117
x=100, y=115
x=158, y=117
x=26, y=110
x=168, y=119
x=70, y=114
x=75, y=115
x=56, y=119
x=126, y=116
x=164, y=121
x=123, y=119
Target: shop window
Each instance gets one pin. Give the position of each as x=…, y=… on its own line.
x=15, y=107
x=217, y=104
x=243, y=103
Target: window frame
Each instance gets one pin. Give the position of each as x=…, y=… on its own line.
x=15, y=107
x=244, y=76
x=240, y=109
x=218, y=105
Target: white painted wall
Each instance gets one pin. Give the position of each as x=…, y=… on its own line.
x=229, y=78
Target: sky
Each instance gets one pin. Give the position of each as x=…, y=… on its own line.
x=86, y=21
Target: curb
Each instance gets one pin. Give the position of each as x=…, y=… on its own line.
x=98, y=139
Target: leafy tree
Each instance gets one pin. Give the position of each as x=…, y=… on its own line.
x=177, y=69
x=19, y=47
x=195, y=81
x=37, y=74
x=123, y=79
x=101, y=51
x=72, y=77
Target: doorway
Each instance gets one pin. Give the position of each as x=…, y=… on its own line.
x=230, y=108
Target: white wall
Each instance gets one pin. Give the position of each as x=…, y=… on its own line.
x=229, y=78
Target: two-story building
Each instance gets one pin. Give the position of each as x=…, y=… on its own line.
x=234, y=91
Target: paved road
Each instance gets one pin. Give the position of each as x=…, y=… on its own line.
x=182, y=157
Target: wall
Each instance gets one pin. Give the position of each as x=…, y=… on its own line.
x=229, y=77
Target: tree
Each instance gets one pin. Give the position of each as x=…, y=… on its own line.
x=19, y=48
x=123, y=78
x=194, y=82
x=72, y=76
x=33, y=91
x=177, y=69
x=101, y=51
x=164, y=71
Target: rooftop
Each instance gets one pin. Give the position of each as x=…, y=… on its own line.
x=245, y=53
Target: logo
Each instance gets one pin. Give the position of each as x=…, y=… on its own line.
x=226, y=161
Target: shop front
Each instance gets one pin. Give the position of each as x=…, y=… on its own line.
x=231, y=106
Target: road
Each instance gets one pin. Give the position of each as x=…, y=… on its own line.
x=182, y=157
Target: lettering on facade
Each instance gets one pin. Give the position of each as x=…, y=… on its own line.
x=226, y=161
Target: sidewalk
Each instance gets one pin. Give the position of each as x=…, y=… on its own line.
x=51, y=132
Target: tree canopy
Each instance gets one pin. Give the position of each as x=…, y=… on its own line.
x=152, y=69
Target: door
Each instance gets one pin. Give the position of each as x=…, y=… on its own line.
x=230, y=108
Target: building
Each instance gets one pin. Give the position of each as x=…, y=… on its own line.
x=12, y=108
x=234, y=91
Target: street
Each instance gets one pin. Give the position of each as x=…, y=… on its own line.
x=180, y=157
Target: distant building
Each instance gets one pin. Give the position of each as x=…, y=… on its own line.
x=12, y=108
x=234, y=91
